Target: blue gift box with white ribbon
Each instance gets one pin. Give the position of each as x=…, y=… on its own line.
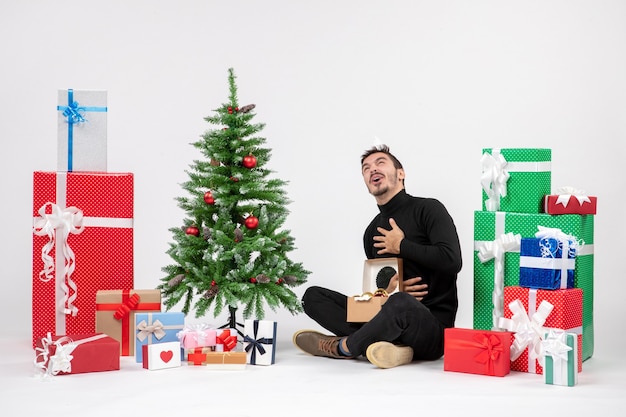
x=547, y=263
x=81, y=131
x=153, y=328
x=259, y=341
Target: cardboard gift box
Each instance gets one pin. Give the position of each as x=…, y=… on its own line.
x=529, y=313
x=547, y=263
x=560, y=352
x=515, y=179
x=197, y=335
x=491, y=276
x=481, y=352
x=82, y=242
x=76, y=354
x=82, y=130
x=377, y=274
x=569, y=200
x=153, y=328
x=361, y=308
x=207, y=356
x=160, y=355
x=259, y=341
x=115, y=314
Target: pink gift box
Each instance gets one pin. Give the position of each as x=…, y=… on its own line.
x=197, y=336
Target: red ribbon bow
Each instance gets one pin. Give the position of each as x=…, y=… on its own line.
x=229, y=341
x=490, y=350
x=124, y=309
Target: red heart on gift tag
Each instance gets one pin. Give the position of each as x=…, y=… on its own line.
x=167, y=356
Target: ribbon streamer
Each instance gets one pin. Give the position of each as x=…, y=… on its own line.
x=57, y=226
x=495, y=250
x=494, y=178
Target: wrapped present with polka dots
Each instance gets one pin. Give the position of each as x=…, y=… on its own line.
x=497, y=238
x=82, y=130
x=530, y=313
x=515, y=179
x=82, y=243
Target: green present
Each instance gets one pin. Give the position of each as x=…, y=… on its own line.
x=515, y=179
x=491, y=226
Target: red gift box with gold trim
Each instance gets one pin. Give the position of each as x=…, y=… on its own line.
x=82, y=243
x=566, y=314
x=115, y=314
x=482, y=352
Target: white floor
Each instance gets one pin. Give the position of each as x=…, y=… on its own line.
x=302, y=385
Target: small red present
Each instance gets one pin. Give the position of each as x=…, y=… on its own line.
x=76, y=354
x=529, y=313
x=569, y=200
x=473, y=351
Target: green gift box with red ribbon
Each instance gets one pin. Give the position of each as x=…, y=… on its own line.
x=500, y=263
x=115, y=314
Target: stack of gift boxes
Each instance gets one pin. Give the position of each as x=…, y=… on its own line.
x=533, y=273
x=86, y=313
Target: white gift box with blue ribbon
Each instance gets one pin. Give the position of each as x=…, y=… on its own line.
x=81, y=131
x=259, y=341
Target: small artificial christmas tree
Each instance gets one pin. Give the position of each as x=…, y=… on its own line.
x=231, y=250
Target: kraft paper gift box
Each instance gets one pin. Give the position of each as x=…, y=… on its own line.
x=160, y=355
x=259, y=341
x=115, y=314
x=515, y=179
x=494, y=273
x=197, y=335
x=153, y=328
x=82, y=242
x=547, y=263
x=529, y=313
x=207, y=357
x=82, y=130
x=482, y=352
x=378, y=272
x=76, y=354
x=361, y=308
x=568, y=200
x=560, y=352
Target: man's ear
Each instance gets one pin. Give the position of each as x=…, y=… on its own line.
x=401, y=174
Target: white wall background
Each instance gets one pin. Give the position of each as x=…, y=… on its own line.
x=436, y=80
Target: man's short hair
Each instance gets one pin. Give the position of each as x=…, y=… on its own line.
x=382, y=149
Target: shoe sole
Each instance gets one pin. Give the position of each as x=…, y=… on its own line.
x=299, y=332
x=387, y=355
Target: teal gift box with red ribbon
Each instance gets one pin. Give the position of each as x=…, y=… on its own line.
x=259, y=341
x=481, y=352
x=82, y=130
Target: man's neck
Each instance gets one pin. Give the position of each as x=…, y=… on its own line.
x=383, y=199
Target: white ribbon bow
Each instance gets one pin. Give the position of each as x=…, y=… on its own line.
x=496, y=249
x=555, y=345
x=196, y=331
x=61, y=361
x=529, y=331
x=145, y=330
x=65, y=221
x=494, y=178
x=568, y=243
x=565, y=193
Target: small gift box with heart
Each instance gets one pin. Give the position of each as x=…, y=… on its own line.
x=151, y=328
x=259, y=341
x=161, y=356
x=76, y=354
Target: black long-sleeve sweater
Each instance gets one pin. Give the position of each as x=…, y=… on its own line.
x=430, y=249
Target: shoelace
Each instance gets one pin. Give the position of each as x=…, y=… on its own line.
x=326, y=346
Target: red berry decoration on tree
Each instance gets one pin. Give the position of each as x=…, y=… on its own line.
x=234, y=179
x=253, y=280
x=279, y=282
x=230, y=110
x=251, y=222
x=208, y=198
x=192, y=230
x=249, y=161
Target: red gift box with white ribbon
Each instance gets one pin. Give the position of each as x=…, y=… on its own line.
x=82, y=243
x=569, y=200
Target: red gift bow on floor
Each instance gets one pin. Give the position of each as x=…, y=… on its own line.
x=490, y=349
x=197, y=356
x=229, y=341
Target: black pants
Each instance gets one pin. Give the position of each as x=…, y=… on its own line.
x=402, y=320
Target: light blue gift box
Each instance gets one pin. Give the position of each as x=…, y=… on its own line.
x=152, y=328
